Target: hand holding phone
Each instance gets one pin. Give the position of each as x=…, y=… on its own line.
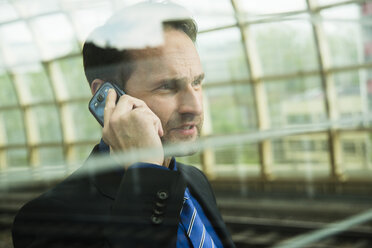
x=128, y=123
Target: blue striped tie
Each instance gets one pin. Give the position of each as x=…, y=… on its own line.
x=193, y=225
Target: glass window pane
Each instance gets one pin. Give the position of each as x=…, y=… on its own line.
x=211, y=13
x=222, y=56
x=237, y=160
x=18, y=44
x=295, y=101
x=285, y=47
x=36, y=7
x=14, y=127
x=369, y=89
x=356, y=159
x=51, y=156
x=253, y=8
x=7, y=12
x=301, y=156
x=55, y=42
x=2, y=64
x=17, y=157
x=47, y=123
x=86, y=126
x=354, y=96
x=81, y=152
x=231, y=109
x=72, y=72
x=8, y=95
x=329, y=2
x=194, y=160
x=342, y=28
x=367, y=30
x=33, y=84
x=85, y=20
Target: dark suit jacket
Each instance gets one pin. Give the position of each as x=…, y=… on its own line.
x=116, y=208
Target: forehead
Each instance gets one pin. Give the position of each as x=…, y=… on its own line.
x=176, y=58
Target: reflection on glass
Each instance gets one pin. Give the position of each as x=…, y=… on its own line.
x=32, y=83
x=13, y=123
x=285, y=47
x=295, y=101
x=18, y=46
x=231, y=109
x=343, y=30
x=222, y=56
x=302, y=156
x=49, y=125
x=55, y=35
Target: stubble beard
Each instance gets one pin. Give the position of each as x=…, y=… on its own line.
x=188, y=145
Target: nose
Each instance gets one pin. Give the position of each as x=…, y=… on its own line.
x=190, y=101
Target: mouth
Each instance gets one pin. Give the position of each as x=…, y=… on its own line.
x=187, y=129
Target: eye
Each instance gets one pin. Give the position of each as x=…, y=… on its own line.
x=169, y=86
x=197, y=83
x=166, y=87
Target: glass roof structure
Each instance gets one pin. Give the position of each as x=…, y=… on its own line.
x=291, y=78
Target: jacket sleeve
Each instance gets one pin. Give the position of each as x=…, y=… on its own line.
x=146, y=210
x=143, y=213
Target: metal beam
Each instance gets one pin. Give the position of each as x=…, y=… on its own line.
x=259, y=94
x=330, y=92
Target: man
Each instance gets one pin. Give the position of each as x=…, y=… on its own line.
x=145, y=204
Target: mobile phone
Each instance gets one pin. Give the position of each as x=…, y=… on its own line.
x=98, y=101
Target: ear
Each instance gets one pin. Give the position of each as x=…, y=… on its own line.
x=95, y=85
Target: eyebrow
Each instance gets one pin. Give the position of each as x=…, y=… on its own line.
x=199, y=78
x=183, y=79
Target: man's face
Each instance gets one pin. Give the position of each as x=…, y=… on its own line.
x=168, y=80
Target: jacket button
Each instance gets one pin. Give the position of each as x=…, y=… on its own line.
x=162, y=195
x=159, y=205
x=156, y=219
x=158, y=211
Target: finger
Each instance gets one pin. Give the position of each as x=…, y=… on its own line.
x=126, y=103
x=109, y=107
x=146, y=111
x=157, y=122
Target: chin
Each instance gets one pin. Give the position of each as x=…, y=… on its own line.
x=187, y=152
x=187, y=146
